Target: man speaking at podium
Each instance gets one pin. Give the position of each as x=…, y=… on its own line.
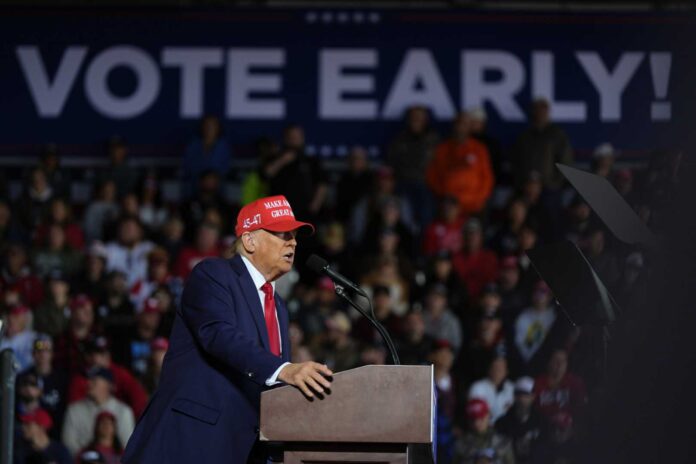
x=229, y=343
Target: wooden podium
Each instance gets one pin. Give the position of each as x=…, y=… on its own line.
x=373, y=414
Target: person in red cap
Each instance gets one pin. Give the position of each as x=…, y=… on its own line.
x=70, y=345
x=229, y=342
x=158, y=275
x=126, y=387
x=481, y=436
x=37, y=446
x=105, y=440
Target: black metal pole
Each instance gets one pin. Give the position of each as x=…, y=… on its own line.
x=8, y=373
x=340, y=291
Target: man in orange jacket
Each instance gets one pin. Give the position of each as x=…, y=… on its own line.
x=461, y=167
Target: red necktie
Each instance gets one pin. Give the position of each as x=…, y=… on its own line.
x=269, y=312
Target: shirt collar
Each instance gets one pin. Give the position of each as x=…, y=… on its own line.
x=256, y=276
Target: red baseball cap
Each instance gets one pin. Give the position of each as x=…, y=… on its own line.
x=509, y=262
x=39, y=417
x=442, y=343
x=151, y=305
x=19, y=309
x=477, y=409
x=325, y=283
x=159, y=343
x=385, y=172
x=562, y=420
x=80, y=300
x=103, y=414
x=270, y=213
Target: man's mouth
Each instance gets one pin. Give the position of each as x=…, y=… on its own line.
x=289, y=256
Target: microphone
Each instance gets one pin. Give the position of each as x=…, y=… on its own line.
x=321, y=266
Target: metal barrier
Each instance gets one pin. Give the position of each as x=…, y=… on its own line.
x=8, y=372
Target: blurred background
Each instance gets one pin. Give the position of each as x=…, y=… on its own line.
x=421, y=139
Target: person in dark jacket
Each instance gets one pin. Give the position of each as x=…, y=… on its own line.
x=523, y=424
x=408, y=155
x=36, y=445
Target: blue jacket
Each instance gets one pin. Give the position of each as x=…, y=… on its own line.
x=206, y=408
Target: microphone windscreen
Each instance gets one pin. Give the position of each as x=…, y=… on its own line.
x=316, y=263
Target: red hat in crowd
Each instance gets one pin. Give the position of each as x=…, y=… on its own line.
x=385, y=172
x=104, y=414
x=79, y=300
x=159, y=343
x=38, y=416
x=19, y=309
x=151, y=305
x=562, y=420
x=477, y=409
x=509, y=262
x=442, y=343
x=270, y=213
x=325, y=283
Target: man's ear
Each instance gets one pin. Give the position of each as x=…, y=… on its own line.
x=249, y=242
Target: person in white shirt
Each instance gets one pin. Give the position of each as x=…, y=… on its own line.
x=495, y=389
x=129, y=253
x=18, y=337
x=78, y=426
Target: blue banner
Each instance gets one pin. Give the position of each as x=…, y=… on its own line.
x=77, y=77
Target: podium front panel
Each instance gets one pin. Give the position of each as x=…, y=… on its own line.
x=370, y=404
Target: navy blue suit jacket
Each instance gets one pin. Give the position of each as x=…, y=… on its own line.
x=206, y=408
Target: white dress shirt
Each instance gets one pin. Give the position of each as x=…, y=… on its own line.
x=259, y=281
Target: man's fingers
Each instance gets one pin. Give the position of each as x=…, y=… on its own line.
x=315, y=386
x=324, y=370
x=321, y=379
x=307, y=377
x=303, y=387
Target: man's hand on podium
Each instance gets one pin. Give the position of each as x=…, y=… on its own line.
x=310, y=377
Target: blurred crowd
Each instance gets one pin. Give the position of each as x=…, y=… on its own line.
x=435, y=233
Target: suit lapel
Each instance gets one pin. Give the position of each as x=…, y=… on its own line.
x=251, y=296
